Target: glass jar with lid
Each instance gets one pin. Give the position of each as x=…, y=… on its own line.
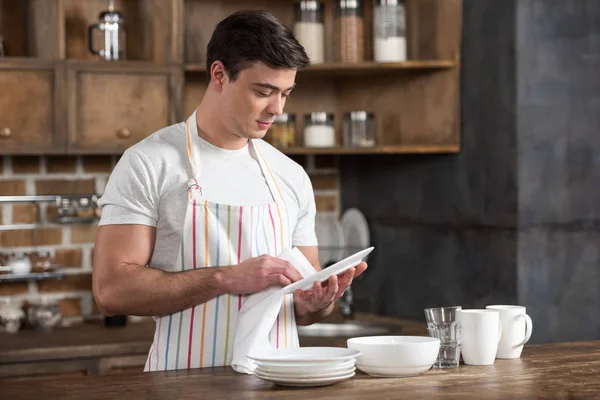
x=319, y=129
x=44, y=313
x=309, y=29
x=283, y=131
x=349, y=31
x=389, y=31
x=359, y=129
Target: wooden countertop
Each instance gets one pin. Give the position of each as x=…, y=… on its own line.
x=93, y=339
x=563, y=370
x=90, y=339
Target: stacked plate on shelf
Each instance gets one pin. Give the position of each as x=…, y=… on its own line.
x=341, y=238
x=306, y=366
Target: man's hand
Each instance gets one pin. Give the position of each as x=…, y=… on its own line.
x=258, y=273
x=313, y=304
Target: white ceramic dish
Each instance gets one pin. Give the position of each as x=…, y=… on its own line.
x=330, y=236
x=356, y=230
x=324, y=274
x=401, y=355
x=306, y=382
x=305, y=375
x=388, y=372
x=305, y=367
x=307, y=355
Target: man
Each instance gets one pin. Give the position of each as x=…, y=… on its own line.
x=194, y=216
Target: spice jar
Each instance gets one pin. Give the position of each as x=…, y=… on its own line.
x=309, y=29
x=283, y=131
x=319, y=130
x=12, y=315
x=389, y=31
x=359, y=129
x=44, y=313
x=349, y=31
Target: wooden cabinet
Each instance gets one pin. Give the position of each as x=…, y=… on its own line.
x=110, y=109
x=30, y=106
x=105, y=107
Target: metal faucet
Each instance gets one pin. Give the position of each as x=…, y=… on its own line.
x=347, y=304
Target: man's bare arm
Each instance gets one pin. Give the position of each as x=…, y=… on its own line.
x=124, y=285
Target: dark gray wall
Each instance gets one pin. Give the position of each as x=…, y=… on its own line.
x=513, y=218
x=558, y=121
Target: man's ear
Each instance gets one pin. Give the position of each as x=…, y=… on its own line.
x=218, y=75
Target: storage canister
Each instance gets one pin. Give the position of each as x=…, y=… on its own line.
x=359, y=129
x=309, y=29
x=389, y=31
x=319, y=130
x=349, y=31
x=283, y=131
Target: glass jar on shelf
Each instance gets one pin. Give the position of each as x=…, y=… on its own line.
x=359, y=129
x=44, y=313
x=12, y=315
x=389, y=31
x=349, y=31
x=283, y=131
x=319, y=130
x=309, y=29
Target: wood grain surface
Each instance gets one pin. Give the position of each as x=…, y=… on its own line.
x=564, y=370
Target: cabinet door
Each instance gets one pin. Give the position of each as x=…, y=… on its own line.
x=114, y=105
x=29, y=107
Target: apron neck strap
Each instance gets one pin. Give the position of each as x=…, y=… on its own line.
x=191, y=132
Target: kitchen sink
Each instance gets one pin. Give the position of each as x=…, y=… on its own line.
x=348, y=329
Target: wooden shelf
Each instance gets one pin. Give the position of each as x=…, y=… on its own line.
x=365, y=68
x=408, y=149
x=33, y=276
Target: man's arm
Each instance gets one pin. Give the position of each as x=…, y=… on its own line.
x=315, y=304
x=124, y=285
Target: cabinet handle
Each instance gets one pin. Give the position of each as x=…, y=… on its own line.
x=123, y=133
x=5, y=133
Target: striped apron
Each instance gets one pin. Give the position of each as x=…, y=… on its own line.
x=220, y=235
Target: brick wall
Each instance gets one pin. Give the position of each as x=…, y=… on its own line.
x=72, y=245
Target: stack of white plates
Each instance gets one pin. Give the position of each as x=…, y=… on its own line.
x=306, y=366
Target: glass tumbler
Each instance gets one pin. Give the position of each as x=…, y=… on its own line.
x=442, y=324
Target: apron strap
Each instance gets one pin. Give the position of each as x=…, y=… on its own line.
x=194, y=188
x=271, y=182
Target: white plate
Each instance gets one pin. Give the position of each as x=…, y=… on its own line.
x=387, y=372
x=330, y=236
x=307, y=355
x=356, y=230
x=300, y=368
x=306, y=375
x=307, y=382
x=324, y=274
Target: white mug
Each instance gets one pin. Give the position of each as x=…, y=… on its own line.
x=481, y=332
x=516, y=330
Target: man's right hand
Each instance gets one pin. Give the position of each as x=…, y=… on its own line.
x=258, y=273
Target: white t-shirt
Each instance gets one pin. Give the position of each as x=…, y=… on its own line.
x=148, y=186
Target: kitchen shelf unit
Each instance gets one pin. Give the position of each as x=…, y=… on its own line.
x=33, y=276
x=416, y=103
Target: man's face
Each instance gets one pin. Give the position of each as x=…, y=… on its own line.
x=254, y=99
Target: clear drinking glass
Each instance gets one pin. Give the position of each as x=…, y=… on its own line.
x=442, y=324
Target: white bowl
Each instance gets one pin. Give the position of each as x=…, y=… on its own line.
x=395, y=355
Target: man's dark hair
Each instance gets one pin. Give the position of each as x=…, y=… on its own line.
x=249, y=36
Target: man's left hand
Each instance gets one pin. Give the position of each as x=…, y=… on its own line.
x=320, y=297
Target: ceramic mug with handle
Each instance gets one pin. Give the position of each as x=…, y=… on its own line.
x=516, y=330
x=481, y=332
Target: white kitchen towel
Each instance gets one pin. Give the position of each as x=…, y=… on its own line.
x=258, y=315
